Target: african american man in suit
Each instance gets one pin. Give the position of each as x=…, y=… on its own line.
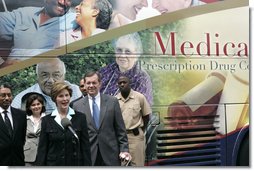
x=12, y=130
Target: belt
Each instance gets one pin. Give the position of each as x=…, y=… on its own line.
x=129, y=131
x=134, y=131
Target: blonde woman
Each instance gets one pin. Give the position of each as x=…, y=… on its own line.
x=58, y=146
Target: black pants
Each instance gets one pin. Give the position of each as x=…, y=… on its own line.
x=99, y=160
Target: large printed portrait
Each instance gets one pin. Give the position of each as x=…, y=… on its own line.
x=32, y=28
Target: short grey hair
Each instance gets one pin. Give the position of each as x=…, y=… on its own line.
x=59, y=62
x=132, y=37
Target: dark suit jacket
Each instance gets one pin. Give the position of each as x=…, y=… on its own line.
x=73, y=101
x=59, y=147
x=111, y=136
x=12, y=148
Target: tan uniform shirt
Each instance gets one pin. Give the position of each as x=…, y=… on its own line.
x=133, y=109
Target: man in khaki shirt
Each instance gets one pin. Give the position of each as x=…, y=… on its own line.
x=135, y=110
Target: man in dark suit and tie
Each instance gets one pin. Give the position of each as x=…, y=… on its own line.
x=12, y=130
x=106, y=128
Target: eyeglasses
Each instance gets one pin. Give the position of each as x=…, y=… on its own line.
x=55, y=76
x=3, y=95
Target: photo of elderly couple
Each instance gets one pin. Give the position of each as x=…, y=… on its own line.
x=29, y=28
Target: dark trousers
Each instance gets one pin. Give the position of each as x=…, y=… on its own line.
x=99, y=160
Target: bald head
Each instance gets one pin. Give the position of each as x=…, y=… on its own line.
x=48, y=72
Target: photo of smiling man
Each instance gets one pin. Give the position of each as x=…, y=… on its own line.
x=34, y=30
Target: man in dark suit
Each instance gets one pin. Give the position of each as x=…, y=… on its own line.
x=12, y=130
x=82, y=88
x=106, y=128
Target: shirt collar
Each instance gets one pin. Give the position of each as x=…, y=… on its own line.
x=31, y=116
x=39, y=11
x=97, y=96
x=76, y=34
x=36, y=16
x=69, y=114
x=58, y=118
x=131, y=95
x=8, y=110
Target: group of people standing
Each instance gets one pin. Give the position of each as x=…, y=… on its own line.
x=123, y=97
x=106, y=123
x=103, y=129
x=109, y=122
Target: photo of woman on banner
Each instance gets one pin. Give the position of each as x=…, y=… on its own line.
x=128, y=49
x=92, y=17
